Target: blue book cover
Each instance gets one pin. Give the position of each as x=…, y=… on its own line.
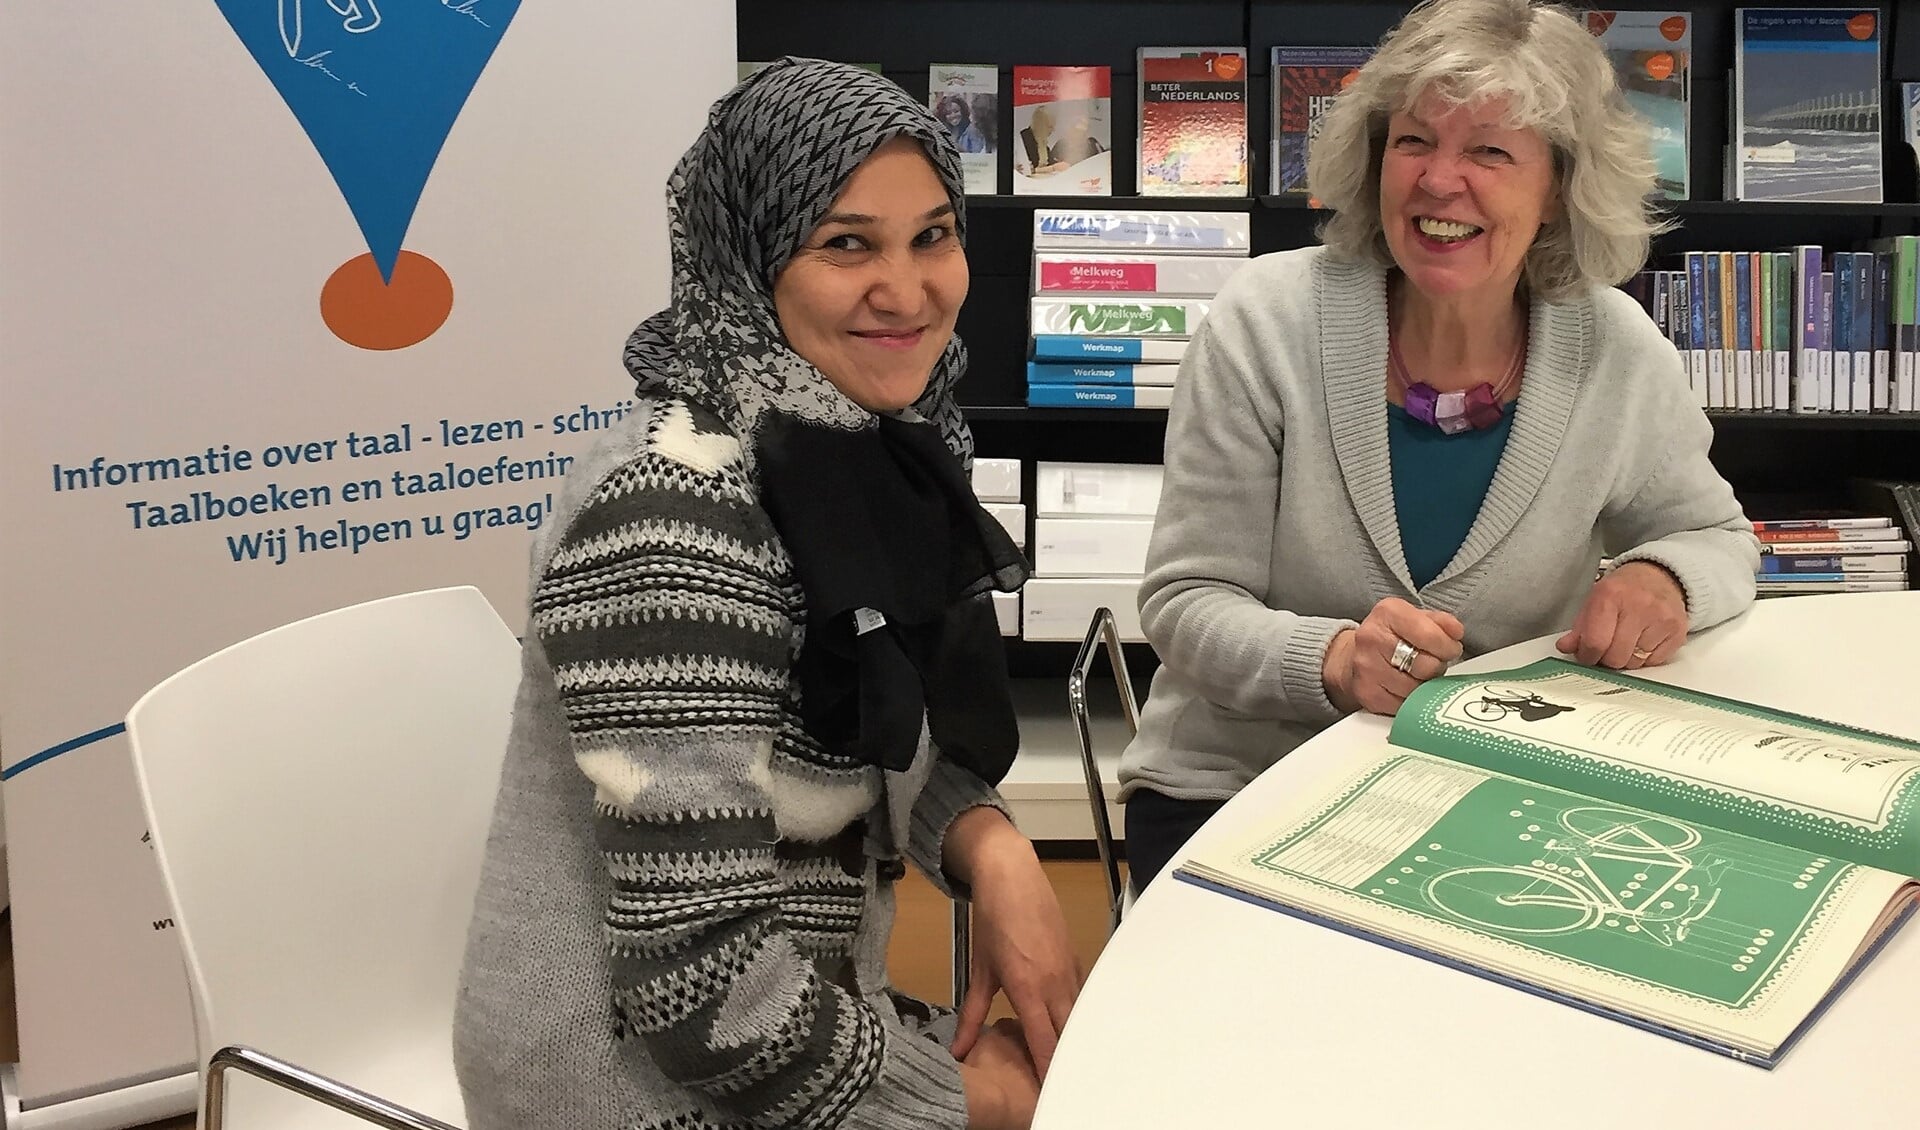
x=1743, y=330
x=1065, y=347
x=1097, y=396
x=1807, y=104
x=1831, y=567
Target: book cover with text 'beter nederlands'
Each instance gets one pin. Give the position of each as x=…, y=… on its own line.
x=1062, y=131
x=1652, y=56
x=1193, y=121
x=1305, y=82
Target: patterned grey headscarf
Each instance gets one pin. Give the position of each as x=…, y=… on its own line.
x=776, y=152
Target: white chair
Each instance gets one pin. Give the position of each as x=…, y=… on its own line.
x=1102, y=628
x=319, y=798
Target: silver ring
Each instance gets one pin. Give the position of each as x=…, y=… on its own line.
x=1404, y=654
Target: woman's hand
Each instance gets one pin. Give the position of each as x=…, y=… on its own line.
x=1020, y=941
x=1358, y=671
x=1635, y=616
x=998, y=1078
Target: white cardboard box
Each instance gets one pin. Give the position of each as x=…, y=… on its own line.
x=1091, y=547
x=996, y=480
x=1006, y=609
x=1012, y=515
x=1067, y=489
x=1062, y=608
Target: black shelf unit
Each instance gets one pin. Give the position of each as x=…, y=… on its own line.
x=1768, y=457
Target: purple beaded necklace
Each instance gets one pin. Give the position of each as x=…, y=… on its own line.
x=1452, y=412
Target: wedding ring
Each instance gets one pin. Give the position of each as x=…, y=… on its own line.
x=1403, y=656
x=1642, y=656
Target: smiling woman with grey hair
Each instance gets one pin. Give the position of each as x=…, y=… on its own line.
x=1419, y=441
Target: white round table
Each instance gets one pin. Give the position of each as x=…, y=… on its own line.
x=1205, y=1011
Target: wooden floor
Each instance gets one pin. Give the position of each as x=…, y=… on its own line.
x=920, y=957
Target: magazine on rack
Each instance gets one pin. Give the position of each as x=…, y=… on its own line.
x=1708, y=869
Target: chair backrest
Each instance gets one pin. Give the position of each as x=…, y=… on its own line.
x=1102, y=629
x=319, y=797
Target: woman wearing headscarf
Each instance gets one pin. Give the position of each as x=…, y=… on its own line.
x=760, y=676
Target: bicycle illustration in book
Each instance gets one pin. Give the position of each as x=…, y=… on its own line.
x=1602, y=865
x=1496, y=702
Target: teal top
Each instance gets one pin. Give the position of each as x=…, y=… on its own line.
x=1439, y=482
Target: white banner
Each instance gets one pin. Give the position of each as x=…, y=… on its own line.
x=304, y=302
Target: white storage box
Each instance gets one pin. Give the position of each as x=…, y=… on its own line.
x=996, y=480
x=1091, y=547
x=1107, y=489
x=1061, y=609
x=1085, y=229
x=1012, y=515
x=1006, y=609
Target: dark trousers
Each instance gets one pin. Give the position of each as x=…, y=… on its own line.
x=1157, y=827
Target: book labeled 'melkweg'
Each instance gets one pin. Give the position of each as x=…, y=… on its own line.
x=1193, y=121
x=1062, y=131
x=1807, y=104
x=1713, y=871
x=1119, y=317
x=1305, y=82
x=1193, y=276
x=966, y=99
x=1652, y=55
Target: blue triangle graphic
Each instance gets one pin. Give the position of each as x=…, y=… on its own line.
x=376, y=85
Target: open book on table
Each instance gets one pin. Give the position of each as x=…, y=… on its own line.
x=1704, y=868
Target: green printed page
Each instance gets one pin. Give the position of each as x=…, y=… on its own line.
x=1812, y=785
x=1723, y=934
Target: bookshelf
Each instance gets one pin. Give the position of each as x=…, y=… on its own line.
x=1769, y=457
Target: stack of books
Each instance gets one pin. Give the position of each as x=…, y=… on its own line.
x=1832, y=553
x=1116, y=298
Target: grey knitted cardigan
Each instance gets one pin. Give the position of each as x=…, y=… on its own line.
x=1277, y=525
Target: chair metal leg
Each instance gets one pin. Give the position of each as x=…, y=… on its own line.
x=319, y=1088
x=962, y=950
x=1102, y=629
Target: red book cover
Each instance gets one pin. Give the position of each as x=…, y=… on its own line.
x=1193, y=121
x=1305, y=82
x=1062, y=131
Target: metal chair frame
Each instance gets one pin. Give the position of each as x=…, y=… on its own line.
x=308, y=1084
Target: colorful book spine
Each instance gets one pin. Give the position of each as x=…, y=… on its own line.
x=1882, y=331
x=1198, y=276
x=1830, y=564
x=1743, y=353
x=1860, y=331
x=1193, y=121
x=1169, y=317
x=1806, y=329
x=1699, y=372
x=1061, y=373
x=1097, y=396
x=1843, y=291
x=1780, y=311
x=1716, y=338
x=1826, y=341
x=1867, y=522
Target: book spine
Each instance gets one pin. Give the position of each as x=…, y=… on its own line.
x=1806, y=328
x=1044, y=373
x=1730, y=340
x=1743, y=312
x=1698, y=369
x=1822, y=524
x=1906, y=321
x=1860, y=534
x=1844, y=288
x=1070, y=347
x=1716, y=340
x=1826, y=341
x=1782, y=313
x=1762, y=352
x=1831, y=563
x=1860, y=331
x=1883, y=263
x=1097, y=396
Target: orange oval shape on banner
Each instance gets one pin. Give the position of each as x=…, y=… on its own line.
x=1660, y=66
x=1227, y=66
x=1599, y=22
x=363, y=310
x=1673, y=27
x=1861, y=26
x=1346, y=80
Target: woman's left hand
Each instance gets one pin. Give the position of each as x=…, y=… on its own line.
x=1636, y=616
x=1020, y=942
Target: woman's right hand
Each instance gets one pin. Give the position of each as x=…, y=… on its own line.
x=999, y=1080
x=1358, y=671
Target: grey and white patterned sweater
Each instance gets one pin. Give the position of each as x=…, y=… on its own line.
x=684, y=911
